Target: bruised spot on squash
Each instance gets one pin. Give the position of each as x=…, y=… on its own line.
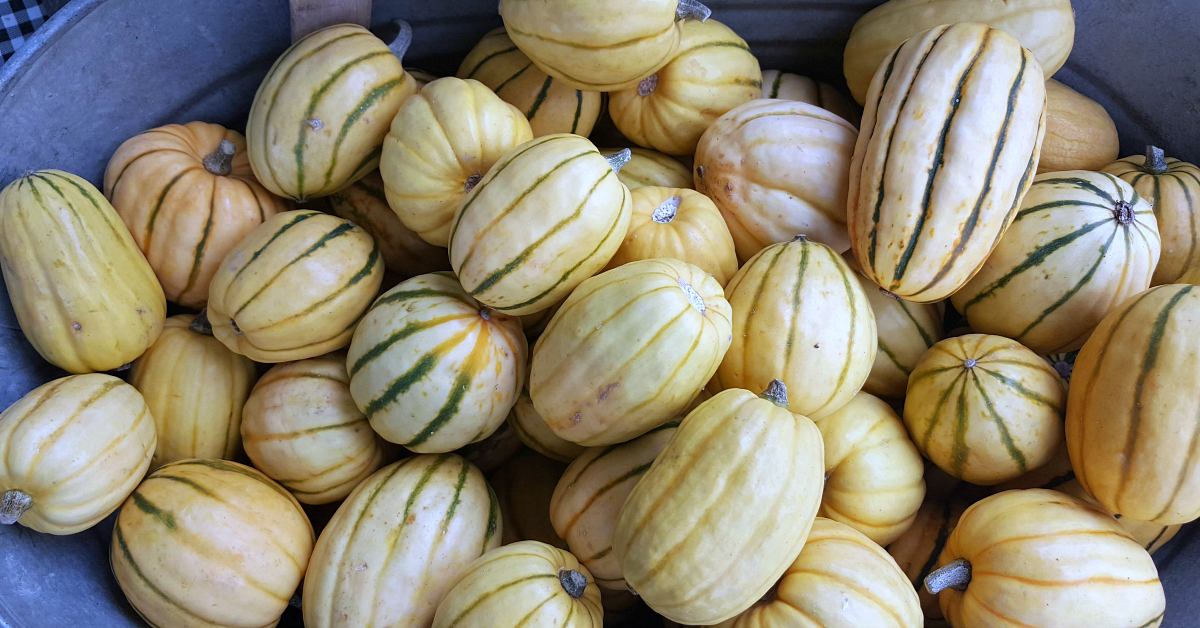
x=607, y=389
x=77, y=326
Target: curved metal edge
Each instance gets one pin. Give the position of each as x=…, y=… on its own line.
x=35, y=44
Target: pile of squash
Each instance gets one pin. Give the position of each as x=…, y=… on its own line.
x=708, y=372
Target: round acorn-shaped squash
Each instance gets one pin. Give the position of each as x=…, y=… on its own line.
x=1080, y=135
x=195, y=388
x=984, y=408
x=188, y=195
x=1045, y=27
x=599, y=47
x=295, y=287
x=629, y=350
x=210, y=543
x=442, y=142
x=320, y=115
x=548, y=215
x=71, y=451
x=651, y=168
x=550, y=105
x=787, y=86
x=590, y=494
x=1043, y=559
x=1082, y=243
x=1133, y=415
x=769, y=191
x=405, y=254
x=523, y=584
x=873, y=474
x=524, y=486
x=432, y=368
x=1173, y=189
x=680, y=224
x=799, y=315
x=950, y=136
x=398, y=543
x=841, y=579
x=724, y=509
x=300, y=427
x=712, y=72
x=529, y=427
x=83, y=294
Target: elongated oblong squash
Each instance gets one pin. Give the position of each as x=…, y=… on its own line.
x=210, y=543
x=195, y=388
x=442, y=141
x=724, y=508
x=1133, y=415
x=295, y=287
x=548, y=215
x=550, y=105
x=320, y=114
x=788, y=86
x=300, y=427
x=984, y=408
x=650, y=167
x=1046, y=27
x=71, y=451
x=951, y=133
x=83, y=294
x=399, y=542
x=524, y=486
x=1080, y=135
x=433, y=369
x=628, y=351
x=800, y=316
x=1082, y=244
x=747, y=162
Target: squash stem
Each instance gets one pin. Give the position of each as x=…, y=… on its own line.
x=573, y=582
x=13, y=504
x=1156, y=160
x=776, y=393
x=403, y=39
x=220, y=161
x=648, y=85
x=665, y=212
x=955, y=575
x=692, y=10
x=200, y=324
x=618, y=159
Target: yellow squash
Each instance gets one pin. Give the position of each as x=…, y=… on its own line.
x=319, y=117
x=681, y=224
x=399, y=542
x=1080, y=135
x=669, y=110
x=188, y=195
x=195, y=388
x=422, y=77
x=548, y=215
x=433, y=369
x=777, y=169
x=800, y=316
x=551, y=106
x=82, y=292
x=71, y=451
x=523, y=488
x=950, y=136
x=649, y=167
x=628, y=351
x=295, y=287
x=529, y=427
x=724, y=509
x=442, y=142
x=210, y=544
x=300, y=427
x=787, y=86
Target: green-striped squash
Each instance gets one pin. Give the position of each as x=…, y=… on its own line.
x=589, y=496
x=628, y=351
x=72, y=450
x=985, y=408
x=195, y=388
x=548, y=215
x=800, y=316
x=442, y=141
x=300, y=427
x=432, y=368
x=950, y=137
x=1173, y=187
x=534, y=324
x=905, y=331
x=788, y=86
x=405, y=254
x=83, y=294
x=399, y=542
x=1082, y=244
x=651, y=168
x=529, y=427
x=210, y=544
x=1133, y=416
x=523, y=488
x=551, y=106
x=319, y=117
x=295, y=287
x=523, y=584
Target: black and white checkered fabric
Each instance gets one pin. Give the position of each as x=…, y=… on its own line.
x=18, y=20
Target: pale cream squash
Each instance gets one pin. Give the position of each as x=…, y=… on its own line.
x=788, y=86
